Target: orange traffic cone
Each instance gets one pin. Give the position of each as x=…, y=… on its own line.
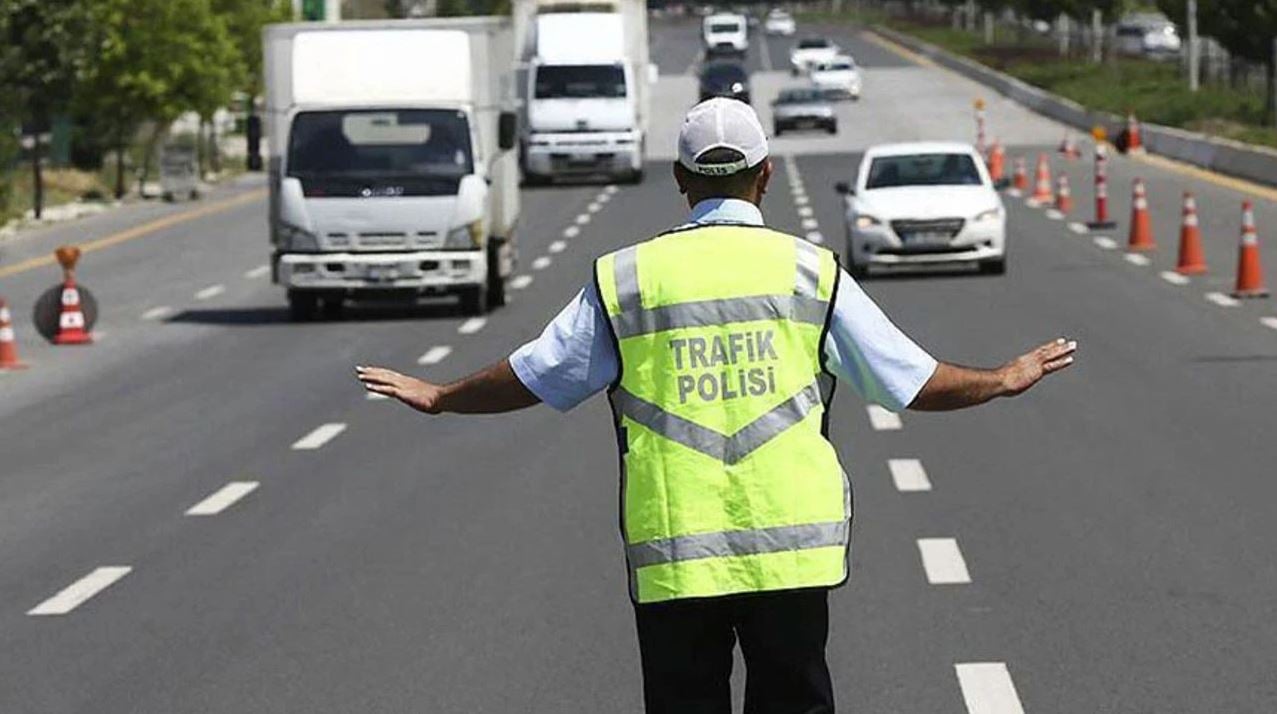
x=1192, y=261
x=1068, y=147
x=1250, y=274
x=1134, y=143
x=8, y=343
x=71, y=327
x=1042, y=182
x=997, y=162
x=1141, y=237
x=1063, y=196
x=1020, y=181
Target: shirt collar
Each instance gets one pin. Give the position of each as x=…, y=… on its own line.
x=726, y=210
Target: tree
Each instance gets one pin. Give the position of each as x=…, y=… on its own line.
x=244, y=21
x=1246, y=28
x=43, y=48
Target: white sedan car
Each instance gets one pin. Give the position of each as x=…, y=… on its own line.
x=780, y=23
x=839, y=78
x=923, y=204
x=810, y=52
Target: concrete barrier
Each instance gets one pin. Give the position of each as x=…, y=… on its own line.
x=1247, y=161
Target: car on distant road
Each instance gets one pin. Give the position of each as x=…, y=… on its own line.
x=724, y=79
x=803, y=108
x=779, y=23
x=839, y=79
x=923, y=204
x=810, y=52
x=725, y=33
x=1149, y=35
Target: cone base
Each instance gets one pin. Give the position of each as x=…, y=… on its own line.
x=81, y=339
x=1249, y=294
x=1141, y=247
x=14, y=366
x=1191, y=269
x=1101, y=225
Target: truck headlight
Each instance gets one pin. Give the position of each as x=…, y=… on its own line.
x=467, y=237
x=989, y=215
x=864, y=221
x=298, y=239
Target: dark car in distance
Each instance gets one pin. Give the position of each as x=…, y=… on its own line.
x=803, y=108
x=724, y=79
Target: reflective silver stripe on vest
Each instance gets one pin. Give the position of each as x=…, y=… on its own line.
x=728, y=543
x=706, y=313
x=728, y=449
x=807, y=277
x=625, y=272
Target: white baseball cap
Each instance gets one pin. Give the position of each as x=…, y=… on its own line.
x=721, y=123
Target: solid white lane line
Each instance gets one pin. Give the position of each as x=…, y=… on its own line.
x=1269, y=322
x=158, y=313
x=883, y=419
x=211, y=291
x=320, y=436
x=571, y=232
x=815, y=237
x=908, y=475
x=1054, y=214
x=1137, y=259
x=1222, y=300
x=804, y=211
x=810, y=224
x=1077, y=227
x=81, y=590
x=558, y=246
x=943, y=561
x=223, y=498
x=473, y=325
x=435, y=355
x=521, y=281
x=987, y=688
x=583, y=219
x=541, y=263
x=259, y=272
x=1174, y=278
x=593, y=207
x=1104, y=242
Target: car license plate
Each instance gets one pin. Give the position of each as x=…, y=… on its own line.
x=927, y=238
x=582, y=159
x=382, y=273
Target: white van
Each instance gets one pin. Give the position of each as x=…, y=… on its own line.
x=725, y=33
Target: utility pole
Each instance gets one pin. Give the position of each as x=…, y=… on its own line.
x=1194, y=48
x=1062, y=26
x=970, y=15
x=988, y=27
x=1097, y=36
x=1272, y=91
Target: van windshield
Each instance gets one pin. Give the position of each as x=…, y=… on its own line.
x=404, y=152
x=922, y=170
x=580, y=81
x=724, y=27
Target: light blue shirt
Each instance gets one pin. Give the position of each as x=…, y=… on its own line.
x=575, y=358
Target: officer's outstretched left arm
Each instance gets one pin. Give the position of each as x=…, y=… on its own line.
x=489, y=391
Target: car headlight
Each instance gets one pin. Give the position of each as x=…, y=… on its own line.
x=467, y=237
x=298, y=239
x=864, y=221
x=989, y=215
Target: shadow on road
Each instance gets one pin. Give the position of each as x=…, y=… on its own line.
x=278, y=315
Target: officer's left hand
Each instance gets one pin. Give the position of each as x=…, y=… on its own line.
x=416, y=393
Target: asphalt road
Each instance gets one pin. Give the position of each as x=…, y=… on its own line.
x=1114, y=524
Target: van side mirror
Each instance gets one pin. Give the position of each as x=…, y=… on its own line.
x=507, y=130
x=844, y=188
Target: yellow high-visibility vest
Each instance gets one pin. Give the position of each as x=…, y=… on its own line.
x=729, y=484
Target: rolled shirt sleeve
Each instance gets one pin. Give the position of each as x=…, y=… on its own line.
x=865, y=349
x=573, y=359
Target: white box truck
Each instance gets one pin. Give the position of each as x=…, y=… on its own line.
x=586, y=91
x=393, y=170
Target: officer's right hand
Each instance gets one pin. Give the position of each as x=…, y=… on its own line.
x=416, y=393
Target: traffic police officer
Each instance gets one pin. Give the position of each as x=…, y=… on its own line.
x=719, y=343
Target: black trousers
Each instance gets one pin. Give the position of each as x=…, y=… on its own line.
x=686, y=651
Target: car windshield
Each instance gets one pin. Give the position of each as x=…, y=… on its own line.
x=778, y=15
x=412, y=151
x=923, y=170
x=580, y=81
x=837, y=67
x=800, y=96
x=724, y=27
x=813, y=44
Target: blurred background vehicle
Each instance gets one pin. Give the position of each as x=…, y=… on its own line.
x=839, y=79
x=1149, y=35
x=724, y=79
x=923, y=204
x=725, y=33
x=803, y=108
x=779, y=23
x=809, y=52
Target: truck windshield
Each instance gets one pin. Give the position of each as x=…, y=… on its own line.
x=722, y=27
x=404, y=152
x=580, y=81
x=923, y=170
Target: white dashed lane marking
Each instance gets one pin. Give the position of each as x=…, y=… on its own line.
x=320, y=436
x=593, y=207
x=815, y=237
x=81, y=590
x=810, y=224
x=1136, y=259
x=1174, y=278
x=800, y=199
x=558, y=246
x=583, y=219
x=211, y=291
x=1054, y=214
x=541, y=263
x=1222, y=300
x=882, y=419
x=435, y=355
x=258, y=272
x=908, y=475
x=158, y=313
x=804, y=211
x=223, y=498
x=1269, y=322
x=603, y=197
x=521, y=281
x=571, y=232
x=612, y=189
x=473, y=325
x=1077, y=227
x=943, y=562
x=987, y=688
x=1105, y=242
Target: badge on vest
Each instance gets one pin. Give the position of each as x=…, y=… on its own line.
x=747, y=349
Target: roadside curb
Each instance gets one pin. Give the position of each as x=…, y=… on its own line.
x=1234, y=158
